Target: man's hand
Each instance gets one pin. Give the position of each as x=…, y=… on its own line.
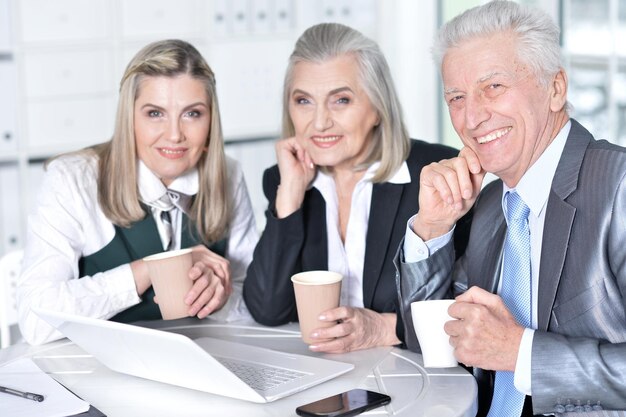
x=448, y=190
x=485, y=334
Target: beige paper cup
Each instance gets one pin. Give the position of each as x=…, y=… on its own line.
x=316, y=291
x=169, y=273
x=429, y=318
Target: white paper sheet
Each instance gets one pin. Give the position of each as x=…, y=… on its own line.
x=24, y=375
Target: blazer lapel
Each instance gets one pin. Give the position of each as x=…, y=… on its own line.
x=385, y=202
x=490, y=238
x=492, y=260
x=559, y=220
x=556, y=234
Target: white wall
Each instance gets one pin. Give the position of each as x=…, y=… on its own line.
x=407, y=31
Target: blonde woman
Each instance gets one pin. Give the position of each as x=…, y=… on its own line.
x=161, y=183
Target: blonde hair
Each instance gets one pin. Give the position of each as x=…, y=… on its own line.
x=118, y=193
x=390, y=141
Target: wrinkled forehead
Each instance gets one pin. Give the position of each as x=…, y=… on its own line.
x=480, y=58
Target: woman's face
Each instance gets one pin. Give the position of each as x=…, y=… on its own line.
x=172, y=121
x=332, y=115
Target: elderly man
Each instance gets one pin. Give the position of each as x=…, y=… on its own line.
x=542, y=283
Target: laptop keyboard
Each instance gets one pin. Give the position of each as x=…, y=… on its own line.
x=260, y=377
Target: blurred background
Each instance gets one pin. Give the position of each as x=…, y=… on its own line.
x=61, y=61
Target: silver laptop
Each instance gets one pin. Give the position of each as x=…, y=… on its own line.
x=212, y=365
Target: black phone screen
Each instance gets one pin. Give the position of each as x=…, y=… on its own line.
x=349, y=403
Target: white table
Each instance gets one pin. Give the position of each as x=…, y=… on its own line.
x=415, y=391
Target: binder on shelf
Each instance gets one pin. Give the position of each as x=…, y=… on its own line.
x=8, y=98
x=10, y=210
x=5, y=26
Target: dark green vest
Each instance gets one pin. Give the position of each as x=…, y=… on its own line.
x=141, y=239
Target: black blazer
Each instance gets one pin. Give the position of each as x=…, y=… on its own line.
x=298, y=243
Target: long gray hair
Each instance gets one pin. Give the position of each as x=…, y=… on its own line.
x=390, y=141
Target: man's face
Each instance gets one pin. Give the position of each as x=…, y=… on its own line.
x=498, y=107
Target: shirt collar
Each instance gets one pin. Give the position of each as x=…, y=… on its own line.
x=534, y=186
x=401, y=176
x=152, y=189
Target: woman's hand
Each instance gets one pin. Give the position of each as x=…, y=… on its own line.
x=357, y=328
x=212, y=285
x=141, y=276
x=297, y=170
x=218, y=264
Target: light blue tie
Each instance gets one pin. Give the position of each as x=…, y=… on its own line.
x=516, y=294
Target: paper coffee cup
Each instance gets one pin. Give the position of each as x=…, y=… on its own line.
x=429, y=318
x=316, y=291
x=169, y=273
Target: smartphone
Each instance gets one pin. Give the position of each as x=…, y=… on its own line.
x=346, y=404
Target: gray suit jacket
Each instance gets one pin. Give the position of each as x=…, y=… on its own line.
x=579, y=348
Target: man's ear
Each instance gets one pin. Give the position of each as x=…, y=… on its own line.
x=558, y=91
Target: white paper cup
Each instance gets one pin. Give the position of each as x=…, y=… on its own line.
x=169, y=273
x=429, y=318
x=316, y=291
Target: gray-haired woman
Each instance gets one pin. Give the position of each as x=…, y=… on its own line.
x=346, y=184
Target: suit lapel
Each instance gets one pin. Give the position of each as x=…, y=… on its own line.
x=490, y=239
x=556, y=234
x=385, y=202
x=559, y=220
x=492, y=260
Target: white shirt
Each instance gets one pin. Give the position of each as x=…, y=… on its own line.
x=348, y=259
x=68, y=224
x=534, y=188
x=152, y=189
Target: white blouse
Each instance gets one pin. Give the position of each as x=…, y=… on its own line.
x=348, y=259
